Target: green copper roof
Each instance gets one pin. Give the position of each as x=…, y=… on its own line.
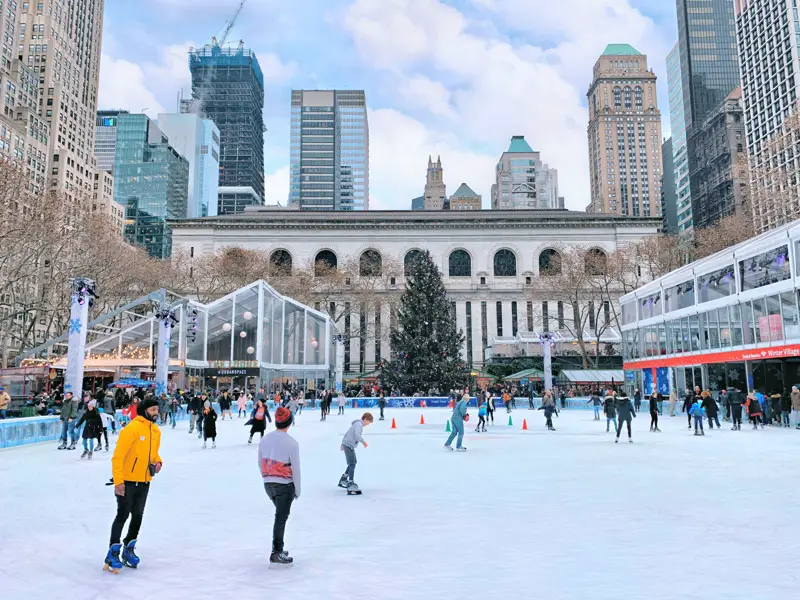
x=464, y=191
x=621, y=50
x=518, y=144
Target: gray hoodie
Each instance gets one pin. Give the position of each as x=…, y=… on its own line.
x=353, y=437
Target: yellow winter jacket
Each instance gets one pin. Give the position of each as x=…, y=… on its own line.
x=137, y=447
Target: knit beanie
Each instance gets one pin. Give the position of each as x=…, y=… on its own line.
x=93, y=404
x=145, y=404
x=206, y=404
x=283, y=418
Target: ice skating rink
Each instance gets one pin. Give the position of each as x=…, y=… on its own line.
x=522, y=514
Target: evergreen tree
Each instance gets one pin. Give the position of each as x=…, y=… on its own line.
x=426, y=345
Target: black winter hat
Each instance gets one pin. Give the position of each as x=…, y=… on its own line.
x=145, y=404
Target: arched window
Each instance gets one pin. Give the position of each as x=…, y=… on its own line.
x=409, y=260
x=505, y=263
x=617, y=97
x=460, y=264
x=638, y=94
x=628, y=100
x=280, y=263
x=595, y=262
x=325, y=263
x=371, y=264
x=549, y=263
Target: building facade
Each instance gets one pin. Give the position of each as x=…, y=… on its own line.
x=151, y=180
x=680, y=152
x=767, y=33
x=490, y=262
x=435, y=189
x=730, y=319
x=103, y=200
x=669, y=206
x=418, y=203
x=719, y=154
x=465, y=198
x=709, y=71
x=197, y=140
x=329, y=156
x=105, y=138
x=522, y=181
x=624, y=135
x=228, y=89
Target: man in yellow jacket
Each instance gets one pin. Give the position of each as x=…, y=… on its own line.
x=136, y=460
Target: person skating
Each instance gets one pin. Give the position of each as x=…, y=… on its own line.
x=637, y=400
x=110, y=409
x=549, y=407
x=340, y=401
x=350, y=441
x=258, y=420
x=490, y=407
x=596, y=402
x=457, y=420
x=507, y=401
x=92, y=430
x=786, y=409
x=754, y=410
x=711, y=409
x=775, y=405
x=225, y=405
x=796, y=405
x=195, y=410
x=481, y=418
x=688, y=402
x=381, y=404
x=209, y=424
x=241, y=405
x=654, y=413
x=610, y=410
x=174, y=407
x=106, y=420
x=735, y=400
x=136, y=460
x=625, y=412
x=279, y=465
x=698, y=412
x=69, y=413
x=673, y=401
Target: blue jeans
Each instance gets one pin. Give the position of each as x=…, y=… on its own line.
x=610, y=420
x=88, y=444
x=3, y=414
x=68, y=428
x=458, y=430
x=597, y=412
x=350, y=456
x=698, y=423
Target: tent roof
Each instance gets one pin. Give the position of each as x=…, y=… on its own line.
x=593, y=376
x=526, y=374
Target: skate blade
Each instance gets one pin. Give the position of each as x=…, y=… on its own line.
x=110, y=569
x=281, y=565
x=358, y=493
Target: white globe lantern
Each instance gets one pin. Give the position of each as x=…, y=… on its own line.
x=226, y=327
x=314, y=342
x=247, y=315
x=242, y=334
x=250, y=350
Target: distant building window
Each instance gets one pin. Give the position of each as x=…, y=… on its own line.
x=215, y=154
x=203, y=149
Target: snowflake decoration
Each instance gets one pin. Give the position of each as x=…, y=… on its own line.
x=166, y=344
x=161, y=388
x=74, y=326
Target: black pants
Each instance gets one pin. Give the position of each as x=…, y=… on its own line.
x=341, y=410
x=381, y=412
x=130, y=505
x=490, y=415
x=102, y=434
x=653, y=420
x=689, y=418
x=736, y=412
x=282, y=496
x=549, y=421
x=711, y=420
x=481, y=422
x=619, y=426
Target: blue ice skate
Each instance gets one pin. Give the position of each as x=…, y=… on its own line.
x=129, y=556
x=112, y=562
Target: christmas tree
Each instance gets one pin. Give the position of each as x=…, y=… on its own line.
x=426, y=345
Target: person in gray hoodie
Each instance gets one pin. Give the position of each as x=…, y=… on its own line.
x=350, y=440
x=69, y=414
x=457, y=420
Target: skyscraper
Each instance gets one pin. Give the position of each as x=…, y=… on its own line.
x=329, y=156
x=522, y=181
x=228, y=88
x=669, y=208
x=709, y=71
x=624, y=135
x=151, y=180
x=680, y=156
x=767, y=32
x=465, y=198
x=105, y=138
x=197, y=140
x=435, y=188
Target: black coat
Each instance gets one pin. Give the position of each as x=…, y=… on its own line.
x=210, y=423
x=654, y=405
x=610, y=407
x=687, y=402
x=624, y=408
x=196, y=405
x=711, y=406
x=94, y=424
x=786, y=403
x=735, y=398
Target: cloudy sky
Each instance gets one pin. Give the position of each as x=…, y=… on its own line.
x=450, y=77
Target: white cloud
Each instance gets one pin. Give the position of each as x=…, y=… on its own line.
x=420, y=92
x=123, y=85
x=275, y=71
x=276, y=186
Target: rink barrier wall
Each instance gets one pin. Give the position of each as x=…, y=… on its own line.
x=34, y=430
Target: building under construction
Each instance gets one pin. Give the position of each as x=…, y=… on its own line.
x=228, y=88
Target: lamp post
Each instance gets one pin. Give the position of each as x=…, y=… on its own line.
x=82, y=298
x=167, y=320
x=546, y=340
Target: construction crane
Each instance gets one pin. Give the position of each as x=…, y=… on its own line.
x=228, y=27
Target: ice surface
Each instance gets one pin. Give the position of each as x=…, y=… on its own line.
x=534, y=515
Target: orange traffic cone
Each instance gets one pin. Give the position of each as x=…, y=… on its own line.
x=394, y=425
x=524, y=424
x=422, y=419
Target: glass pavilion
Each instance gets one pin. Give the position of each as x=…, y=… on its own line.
x=249, y=338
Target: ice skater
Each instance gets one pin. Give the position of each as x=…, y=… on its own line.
x=258, y=420
x=786, y=409
x=549, y=407
x=381, y=404
x=637, y=400
x=610, y=410
x=698, y=412
x=711, y=409
x=225, y=405
x=340, y=401
x=69, y=413
x=279, y=464
x=754, y=410
x=654, y=413
x=595, y=401
x=241, y=404
x=625, y=412
x=209, y=425
x=457, y=420
x=481, y=418
x=350, y=441
x=688, y=402
x=106, y=419
x=490, y=408
x=734, y=397
x=92, y=430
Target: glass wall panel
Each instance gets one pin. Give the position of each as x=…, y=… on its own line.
x=736, y=376
x=220, y=325
x=294, y=335
x=748, y=323
x=277, y=331
x=629, y=313
x=195, y=321
x=694, y=324
x=650, y=306
x=791, y=325
x=266, y=323
x=760, y=320
x=718, y=284
x=316, y=340
x=712, y=325
x=245, y=325
x=724, y=327
x=679, y=296
x=737, y=338
x=774, y=317
x=765, y=269
x=662, y=340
